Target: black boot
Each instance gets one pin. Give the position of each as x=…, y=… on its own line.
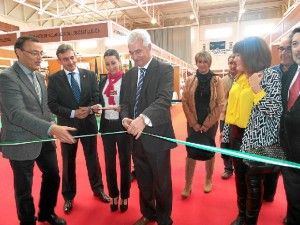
x=241, y=190
x=254, y=198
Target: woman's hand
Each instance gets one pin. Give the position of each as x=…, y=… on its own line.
x=203, y=129
x=197, y=127
x=254, y=81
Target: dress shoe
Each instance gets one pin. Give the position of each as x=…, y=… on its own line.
x=68, y=206
x=124, y=205
x=226, y=175
x=102, y=196
x=52, y=219
x=238, y=221
x=114, y=204
x=285, y=221
x=142, y=221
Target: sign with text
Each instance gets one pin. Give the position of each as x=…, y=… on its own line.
x=99, y=30
x=45, y=36
x=8, y=39
x=216, y=45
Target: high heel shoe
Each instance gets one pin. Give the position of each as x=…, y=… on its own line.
x=114, y=204
x=124, y=205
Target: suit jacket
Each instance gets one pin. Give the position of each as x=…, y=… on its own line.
x=155, y=102
x=102, y=102
x=24, y=118
x=290, y=123
x=62, y=101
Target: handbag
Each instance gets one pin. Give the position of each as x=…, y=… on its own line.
x=198, y=154
x=273, y=151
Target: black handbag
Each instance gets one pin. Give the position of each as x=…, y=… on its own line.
x=198, y=154
x=273, y=151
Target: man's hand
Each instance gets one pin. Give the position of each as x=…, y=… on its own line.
x=62, y=133
x=136, y=127
x=126, y=122
x=82, y=112
x=203, y=129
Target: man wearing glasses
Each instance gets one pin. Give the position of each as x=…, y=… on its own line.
x=26, y=118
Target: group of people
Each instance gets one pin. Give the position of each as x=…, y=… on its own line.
x=261, y=116
x=140, y=104
x=259, y=108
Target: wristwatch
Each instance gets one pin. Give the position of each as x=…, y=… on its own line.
x=145, y=119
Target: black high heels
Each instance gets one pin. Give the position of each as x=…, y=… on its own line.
x=124, y=205
x=114, y=204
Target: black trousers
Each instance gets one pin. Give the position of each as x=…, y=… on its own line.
x=110, y=143
x=23, y=175
x=291, y=179
x=153, y=174
x=69, y=152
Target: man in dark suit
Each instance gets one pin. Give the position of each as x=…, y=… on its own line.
x=290, y=128
x=70, y=93
x=146, y=108
x=25, y=118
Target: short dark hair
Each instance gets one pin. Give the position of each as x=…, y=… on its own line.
x=21, y=40
x=296, y=30
x=64, y=48
x=112, y=52
x=255, y=54
x=231, y=57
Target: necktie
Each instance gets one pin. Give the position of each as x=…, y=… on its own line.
x=36, y=86
x=138, y=90
x=294, y=92
x=75, y=87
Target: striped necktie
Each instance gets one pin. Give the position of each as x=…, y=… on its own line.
x=75, y=87
x=36, y=86
x=138, y=91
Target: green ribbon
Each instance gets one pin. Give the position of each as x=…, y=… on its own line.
x=229, y=152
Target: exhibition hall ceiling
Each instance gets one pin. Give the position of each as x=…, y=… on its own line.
x=147, y=14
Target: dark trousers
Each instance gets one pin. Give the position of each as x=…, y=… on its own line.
x=249, y=188
x=23, y=175
x=69, y=152
x=153, y=174
x=226, y=158
x=110, y=143
x=291, y=179
x=270, y=185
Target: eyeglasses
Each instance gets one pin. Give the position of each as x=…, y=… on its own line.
x=287, y=49
x=35, y=53
x=232, y=63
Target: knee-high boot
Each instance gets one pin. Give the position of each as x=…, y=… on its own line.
x=209, y=168
x=254, y=198
x=189, y=174
x=241, y=191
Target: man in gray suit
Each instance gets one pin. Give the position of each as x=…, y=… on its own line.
x=25, y=118
x=146, y=108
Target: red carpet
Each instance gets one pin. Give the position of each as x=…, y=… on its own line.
x=215, y=208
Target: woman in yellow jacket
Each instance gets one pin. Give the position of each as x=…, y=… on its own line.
x=202, y=102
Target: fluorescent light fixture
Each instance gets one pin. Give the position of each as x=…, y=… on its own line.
x=218, y=33
x=259, y=29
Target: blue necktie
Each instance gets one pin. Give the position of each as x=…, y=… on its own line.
x=75, y=87
x=138, y=91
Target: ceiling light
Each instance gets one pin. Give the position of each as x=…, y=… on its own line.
x=41, y=12
x=153, y=20
x=192, y=16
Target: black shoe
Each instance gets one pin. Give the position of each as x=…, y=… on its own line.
x=102, y=196
x=132, y=175
x=68, y=206
x=114, y=204
x=124, y=205
x=52, y=219
x=285, y=221
x=238, y=221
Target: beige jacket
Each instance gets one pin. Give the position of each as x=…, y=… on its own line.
x=227, y=83
x=217, y=101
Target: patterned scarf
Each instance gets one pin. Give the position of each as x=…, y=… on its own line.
x=112, y=79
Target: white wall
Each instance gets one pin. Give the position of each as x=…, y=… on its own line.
x=219, y=61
